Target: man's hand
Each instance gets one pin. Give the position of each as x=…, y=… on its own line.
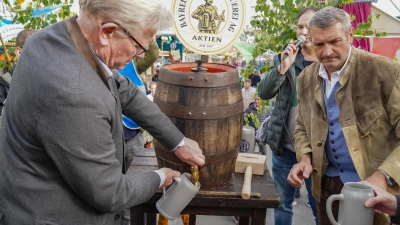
x=291, y=51
x=383, y=201
x=169, y=175
x=191, y=153
x=300, y=171
x=377, y=179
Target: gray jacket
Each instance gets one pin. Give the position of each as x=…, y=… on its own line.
x=5, y=80
x=62, y=149
x=273, y=84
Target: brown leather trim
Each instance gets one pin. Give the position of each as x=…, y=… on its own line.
x=227, y=77
x=210, y=113
x=83, y=47
x=210, y=159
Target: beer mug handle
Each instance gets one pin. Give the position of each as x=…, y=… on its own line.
x=163, y=190
x=331, y=199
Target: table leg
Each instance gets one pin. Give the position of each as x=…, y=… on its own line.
x=151, y=218
x=243, y=220
x=192, y=219
x=259, y=216
x=137, y=215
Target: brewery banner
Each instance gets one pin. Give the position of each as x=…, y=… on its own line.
x=208, y=27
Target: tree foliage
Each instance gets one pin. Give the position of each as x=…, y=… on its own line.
x=275, y=24
x=24, y=15
x=22, y=12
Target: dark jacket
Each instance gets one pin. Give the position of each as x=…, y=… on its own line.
x=261, y=117
x=5, y=80
x=142, y=64
x=255, y=79
x=154, y=78
x=272, y=84
x=396, y=219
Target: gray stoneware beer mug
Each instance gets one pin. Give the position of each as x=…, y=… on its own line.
x=248, y=139
x=352, y=210
x=176, y=198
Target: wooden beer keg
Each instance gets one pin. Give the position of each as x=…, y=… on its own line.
x=208, y=108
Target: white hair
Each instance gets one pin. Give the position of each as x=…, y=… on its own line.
x=135, y=15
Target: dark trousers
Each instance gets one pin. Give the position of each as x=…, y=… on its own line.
x=332, y=186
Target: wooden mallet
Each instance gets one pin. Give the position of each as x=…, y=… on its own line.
x=249, y=164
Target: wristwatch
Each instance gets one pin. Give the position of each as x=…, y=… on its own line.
x=390, y=181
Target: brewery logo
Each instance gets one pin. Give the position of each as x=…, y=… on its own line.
x=244, y=146
x=207, y=27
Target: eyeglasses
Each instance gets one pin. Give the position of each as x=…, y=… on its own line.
x=143, y=49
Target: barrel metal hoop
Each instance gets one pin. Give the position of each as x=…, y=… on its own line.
x=200, y=113
x=210, y=159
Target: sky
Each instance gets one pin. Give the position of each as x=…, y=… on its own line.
x=388, y=7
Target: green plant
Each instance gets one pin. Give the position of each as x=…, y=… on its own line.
x=364, y=29
x=254, y=117
x=9, y=55
x=275, y=24
x=251, y=117
x=24, y=16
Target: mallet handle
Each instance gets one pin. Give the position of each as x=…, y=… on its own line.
x=246, y=189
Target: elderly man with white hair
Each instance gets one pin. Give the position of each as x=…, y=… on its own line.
x=62, y=148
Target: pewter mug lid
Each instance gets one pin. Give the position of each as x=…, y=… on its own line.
x=358, y=185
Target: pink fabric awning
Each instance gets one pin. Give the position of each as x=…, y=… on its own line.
x=356, y=1
x=386, y=46
x=361, y=11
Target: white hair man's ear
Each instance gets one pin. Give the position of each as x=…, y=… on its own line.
x=18, y=51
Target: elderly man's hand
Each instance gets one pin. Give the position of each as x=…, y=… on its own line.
x=191, y=153
x=169, y=175
x=383, y=201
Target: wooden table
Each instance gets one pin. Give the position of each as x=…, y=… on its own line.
x=223, y=201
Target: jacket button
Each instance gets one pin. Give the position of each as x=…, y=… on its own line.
x=319, y=144
x=315, y=170
x=117, y=216
x=324, y=117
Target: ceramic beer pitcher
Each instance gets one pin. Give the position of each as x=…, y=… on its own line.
x=176, y=198
x=352, y=210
